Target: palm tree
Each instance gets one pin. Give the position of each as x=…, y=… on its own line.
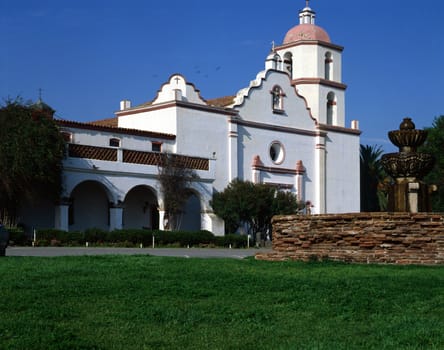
x=372, y=178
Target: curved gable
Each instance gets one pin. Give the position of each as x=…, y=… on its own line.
x=258, y=102
x=178, y=89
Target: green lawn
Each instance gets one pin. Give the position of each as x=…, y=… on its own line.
x=142, y=302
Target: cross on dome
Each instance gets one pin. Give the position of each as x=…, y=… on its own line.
x=307, y=15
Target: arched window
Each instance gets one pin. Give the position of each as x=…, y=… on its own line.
x=114, y=142
x=328, y=66
x=277, y=62
x=288, y=63
x=277, y=99
x=331, y=108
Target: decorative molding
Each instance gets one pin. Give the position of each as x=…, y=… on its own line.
x=275, y=170
x=319, y=81
x=183, y=104
x=270, y=127
x=311, y=42
x=280, y=186
x=339, y=129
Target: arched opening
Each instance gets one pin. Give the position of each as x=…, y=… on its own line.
x=277, y=62
x=331, y=108
x=288, y=63
x=141, y=209
x=89, y=207
x=328, y=66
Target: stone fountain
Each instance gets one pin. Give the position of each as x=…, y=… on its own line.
x=408, y=192
x=407, y=234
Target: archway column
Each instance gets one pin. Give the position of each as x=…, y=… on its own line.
x=320, y=175
x=116, y=216
x=62, y=215
x=211, y=222
x=162, y=222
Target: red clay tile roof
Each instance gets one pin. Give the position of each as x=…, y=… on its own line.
x=115, y=130
x=113, y=122
x=221, y=101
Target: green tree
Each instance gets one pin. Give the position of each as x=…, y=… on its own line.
x=31, y=154
x=175, y=180
x=252, y=205
x=372, y=179
x=434, y=145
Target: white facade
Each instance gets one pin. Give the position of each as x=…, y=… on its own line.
x=286, y=129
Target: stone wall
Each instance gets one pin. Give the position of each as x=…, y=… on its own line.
x=395, y=238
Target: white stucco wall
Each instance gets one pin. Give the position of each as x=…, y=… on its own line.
x=157, y=119
x=127, y=141
x=342, y=173
x=205, y=135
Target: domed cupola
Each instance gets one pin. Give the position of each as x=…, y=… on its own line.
x=41, y=108
x=306, y=29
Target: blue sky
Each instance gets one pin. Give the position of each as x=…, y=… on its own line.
x=87, y=55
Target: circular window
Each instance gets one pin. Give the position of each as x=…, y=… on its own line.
x=277, y=152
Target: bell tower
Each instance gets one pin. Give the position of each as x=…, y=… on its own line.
x=314, y=64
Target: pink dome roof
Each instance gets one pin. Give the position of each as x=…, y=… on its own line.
x=306, y=32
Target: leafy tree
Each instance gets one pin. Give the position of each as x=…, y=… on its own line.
x=31, y=154
x=252, y=205
x=435, y=145
x=175, y=181
x=372, y=179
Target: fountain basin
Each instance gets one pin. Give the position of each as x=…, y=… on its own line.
x=411, y=165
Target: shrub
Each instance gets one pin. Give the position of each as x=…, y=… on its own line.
x=183, y=238
x=134, y=237
x=52, y=235
x=76, y=238
x=17, y=236
x=236, y=241
x=95, y=235
x=130, y=236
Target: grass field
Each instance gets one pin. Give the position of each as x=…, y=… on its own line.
x=142, y=302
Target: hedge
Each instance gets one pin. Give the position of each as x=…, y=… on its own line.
x=95, y=236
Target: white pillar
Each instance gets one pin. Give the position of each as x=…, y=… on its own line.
x=162, y=219
x=300, y=185
x=256, y=170
x=232, y=151
x=62, y=215
x=211, y=222
x=319, y=201
x=116, y=217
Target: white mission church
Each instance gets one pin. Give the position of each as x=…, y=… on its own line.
x=286, y=129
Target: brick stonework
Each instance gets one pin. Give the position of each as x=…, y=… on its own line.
x=394, y=238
